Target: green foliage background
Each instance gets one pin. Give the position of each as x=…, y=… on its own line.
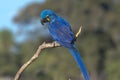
x=99, y=42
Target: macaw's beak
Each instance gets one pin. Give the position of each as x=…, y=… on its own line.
x=44, y=20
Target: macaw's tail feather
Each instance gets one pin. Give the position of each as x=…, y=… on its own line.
x=80, y=63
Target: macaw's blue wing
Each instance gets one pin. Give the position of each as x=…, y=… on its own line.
x=62, y=33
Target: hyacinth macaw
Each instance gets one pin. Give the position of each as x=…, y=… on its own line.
x=61, y=31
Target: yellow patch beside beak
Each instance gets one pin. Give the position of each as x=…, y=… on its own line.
x=48, y=19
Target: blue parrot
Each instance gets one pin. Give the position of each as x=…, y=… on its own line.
x=61, y=31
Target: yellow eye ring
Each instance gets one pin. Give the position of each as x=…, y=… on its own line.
x=47, y=16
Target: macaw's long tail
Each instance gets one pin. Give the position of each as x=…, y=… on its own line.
x=80, y=63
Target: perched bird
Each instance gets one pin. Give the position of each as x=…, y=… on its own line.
x=61, y=31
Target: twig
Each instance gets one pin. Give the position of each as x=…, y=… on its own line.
x=78, y=33
x=36, y=55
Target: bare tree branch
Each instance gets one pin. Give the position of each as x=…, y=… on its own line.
x=36, y=55
x=78, y=33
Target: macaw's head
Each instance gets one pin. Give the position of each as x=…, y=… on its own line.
x=47, y=16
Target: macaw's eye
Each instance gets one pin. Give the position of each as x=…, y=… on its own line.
x=47, y=15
